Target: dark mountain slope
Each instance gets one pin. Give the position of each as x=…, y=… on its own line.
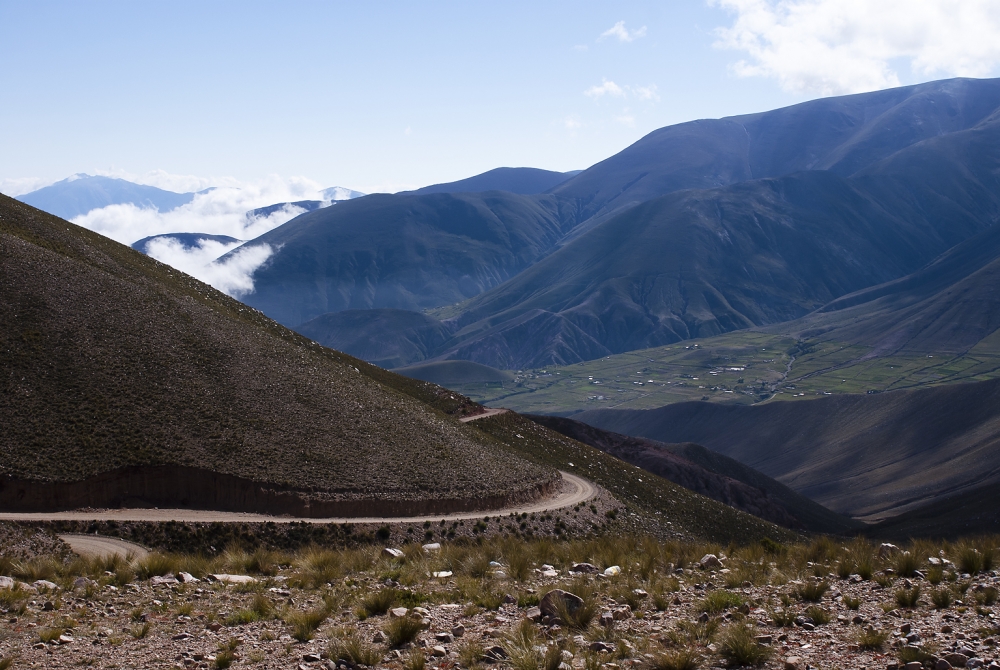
x=388, y=338
x=863, y=455
x=401, y=252
x=79, y=194
x=523, y=181
x=186, y=240
x=447, y=373
x=117, y=366
x=710, y=474
x=971, y=513
x=696, y=264
x=843, y=134
x=949, y=306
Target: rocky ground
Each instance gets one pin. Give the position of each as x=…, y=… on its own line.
x=611, y=602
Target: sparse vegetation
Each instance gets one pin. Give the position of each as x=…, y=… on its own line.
x=738, y=645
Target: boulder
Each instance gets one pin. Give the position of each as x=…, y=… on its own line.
x=163, y=580
x=229, y=579
x=432, y=547
x=187, y=578
x=44, y=584
x=550, y=604
x=585, y=568
x=6, y=583
x=794, y=663
x=956, y=660
x=887, y=550
x=612, y=571
x=710, y=562
x=388, y=552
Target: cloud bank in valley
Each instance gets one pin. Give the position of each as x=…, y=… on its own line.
x=833, y=47
x=218, y=211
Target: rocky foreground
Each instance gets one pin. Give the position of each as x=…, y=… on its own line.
x=610, y=602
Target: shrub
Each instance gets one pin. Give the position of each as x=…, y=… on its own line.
x=942, y=598
x=908, y=597
x=580, y=618
x=852, y=603
x=739, y=647
x=935, y=575
x=871, y=639
x=402, y=630
x=910, y=654
x=470, y=652
x=719, y=601
x=969, y=559
x=415, y=660
x=49, y=634
x=812, y=591
x=155, y=565
x=6, y=662
x=784, y=618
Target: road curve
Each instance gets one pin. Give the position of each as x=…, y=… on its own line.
x=575, y=490
x=99, y=546
x=490, y=411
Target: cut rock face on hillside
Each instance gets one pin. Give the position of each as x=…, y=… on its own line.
x=114, y=363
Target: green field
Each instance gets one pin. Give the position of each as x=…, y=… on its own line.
x=743, y=367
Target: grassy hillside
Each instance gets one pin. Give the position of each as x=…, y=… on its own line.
x=523, y=181
x=110, y=359
x=871, y=456
x=710, y=474
x=652, y=504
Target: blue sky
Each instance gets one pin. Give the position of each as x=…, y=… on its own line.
x=394, y=95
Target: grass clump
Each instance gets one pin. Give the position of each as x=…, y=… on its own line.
x=350, y=647
x=720, y=601
x=49, y=635
x=987, y=596
x=819, y=615
x=304, y=624
x=910, y=654
x=907, y=598
x=739, y=647
x=942, y=598
x=377, y=603
x=260, y=609
x=905, y=564
x=872, y=640
x=578, y=619
x=140, y=631
x=812, y=591
x=402, y=630
x=677, y=659
x=415, y=660
x=852, y=603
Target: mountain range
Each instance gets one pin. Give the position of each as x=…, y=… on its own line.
x=695, y=230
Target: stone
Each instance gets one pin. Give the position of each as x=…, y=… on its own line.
x=398, y=612
x=509, y=599
x=905, y=629
x=379, y=637
x=956, y=660
x=44, y=584
x=6, y=583
x=215, y=626
x=947, y=629
x=942, y=664
x=763, y=639
x=163, y=580
x=622, y=613
x=612, y=571
x=794, y=663
x=534, y=613
x=439, y=651
x=389, y=552
x=913, y=665
x=187, y=578
x=442, y=574
x=495, y=653
x=550, y=603
x=599, y=646
x=230, y=579
x=432, y=547
x=65, y=639
x=48, y=606
x=458, y=631
x=607, y=619
x=710, y=562
x=182, y=636
x=312, y=658
x=585, y=568
x=447, y=638
x=639, y=593
x=974, y=663
x=887, y=550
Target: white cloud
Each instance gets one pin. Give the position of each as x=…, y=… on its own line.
x=233, y=275
x=645, y=92
x=622, y=33
x=834, y=47
x=572, y=123
x=14, y=187
x=606, y=88
x=625, y=118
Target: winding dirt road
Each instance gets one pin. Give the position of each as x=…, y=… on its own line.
x=575, y=490
x=490, y=411
x=99, y=546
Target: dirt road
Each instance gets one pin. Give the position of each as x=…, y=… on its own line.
x=575, y=490
x=100, y=546
x=493, y=411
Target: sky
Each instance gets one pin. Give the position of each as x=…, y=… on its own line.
x=390, y=96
